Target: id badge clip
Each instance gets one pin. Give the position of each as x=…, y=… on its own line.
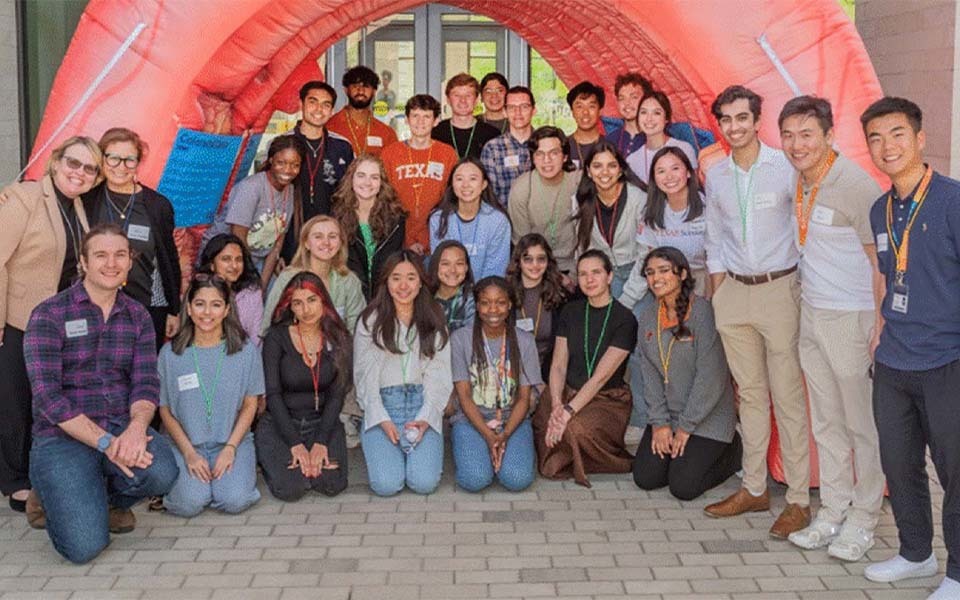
x=901, y=294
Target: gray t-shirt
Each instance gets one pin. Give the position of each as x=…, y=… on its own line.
x=485, y=389
x=241, y=375
x=256, y=204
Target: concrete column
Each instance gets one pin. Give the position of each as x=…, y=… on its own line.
x=9, y=99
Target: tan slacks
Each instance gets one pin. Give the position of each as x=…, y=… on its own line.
x=835, y=357
x=759, y=328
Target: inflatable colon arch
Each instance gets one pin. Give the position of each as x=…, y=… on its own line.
x=202, y=66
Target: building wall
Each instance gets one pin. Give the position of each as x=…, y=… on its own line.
x=9, y=94
x=913, y=47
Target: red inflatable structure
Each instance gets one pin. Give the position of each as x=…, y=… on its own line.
x=156, y=66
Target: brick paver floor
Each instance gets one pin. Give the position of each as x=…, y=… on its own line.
x=554, y=540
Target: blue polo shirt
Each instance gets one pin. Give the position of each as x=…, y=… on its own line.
x=928, y=335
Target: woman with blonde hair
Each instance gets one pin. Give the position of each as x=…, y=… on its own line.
x=42, y=224
x=372, y=218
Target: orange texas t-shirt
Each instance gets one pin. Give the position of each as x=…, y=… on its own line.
x=373, y=142
x=420, y=177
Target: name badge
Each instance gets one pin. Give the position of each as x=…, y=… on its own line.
x=435, y=170
x=512, y=160
x=764, y=200
x=525, y=324
x=576, y=163
x=374, y=140
x=188, y=382
x=882, y=243
x=141, y=233
x=76, y=328
x=822, y=215
x=698, y=227
x=901, y=295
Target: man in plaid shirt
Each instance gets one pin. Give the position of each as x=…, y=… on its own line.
x=507, y=157
x=92, y=364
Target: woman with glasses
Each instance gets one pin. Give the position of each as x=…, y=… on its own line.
x=536, y=287
x=541, y=200
x=42, y=224
x=147, y=218
x=403, y=379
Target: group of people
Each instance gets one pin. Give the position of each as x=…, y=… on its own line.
x=539, y=291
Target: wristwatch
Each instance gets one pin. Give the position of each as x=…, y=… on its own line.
x=104, y=442
x=570, y=409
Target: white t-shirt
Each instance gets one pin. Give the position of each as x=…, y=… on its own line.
x=642, y=159
x=685, y=236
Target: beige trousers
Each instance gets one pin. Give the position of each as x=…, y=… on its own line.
x=759, y=327
x=835, y=357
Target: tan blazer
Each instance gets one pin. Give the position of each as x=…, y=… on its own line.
x=33, y=244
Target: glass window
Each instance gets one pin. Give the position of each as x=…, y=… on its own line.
x=550, y=94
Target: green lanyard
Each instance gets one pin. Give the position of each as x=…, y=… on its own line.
x=208, y=396
x=453, y=138
x=743, y=203
x=405, y=357
x=551, y=229
x=592, y=361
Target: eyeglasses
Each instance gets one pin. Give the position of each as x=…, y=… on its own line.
x=552, y=154
x=208, y=278
x=75, y=164
x=114, y=160
x=521, y=107
x=534, y=260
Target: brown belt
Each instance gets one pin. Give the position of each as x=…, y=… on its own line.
x=765, y=278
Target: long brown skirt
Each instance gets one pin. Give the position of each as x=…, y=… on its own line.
x=592, y=441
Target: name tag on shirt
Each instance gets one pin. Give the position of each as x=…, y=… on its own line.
x=374, y=140
x=512, y=160
x=764, y=200
x=435, y=170
x=882, y=243
x=525, y=324
x=188, y=382
x=822, y=215
x=141, y=233
x=76, y=328
x=700, y=227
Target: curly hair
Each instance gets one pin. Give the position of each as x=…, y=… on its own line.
x=553, y=294
x=386, y=213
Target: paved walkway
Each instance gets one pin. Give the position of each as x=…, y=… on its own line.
x=554, y=540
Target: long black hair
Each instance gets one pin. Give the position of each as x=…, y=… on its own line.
x=449, y=203
x=553, y=293
x=248, y=279
x=680, y=264
x=428, y=317
x=233, y=332
x=657, y=198
x=480, y=346
x=433, y=273
x=587, y=190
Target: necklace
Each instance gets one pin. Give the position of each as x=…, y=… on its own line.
x=75, y=236
x=126, y=209
x=592, y=361
x=664, y=359
x=313, y=368
x=453, y=136
x=318, y=157
x=353, y=134
x=279, y=222
x=209, y=394
x=803, y=218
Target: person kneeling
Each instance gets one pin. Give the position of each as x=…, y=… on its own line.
x=691, y=443
x=210, y=377
x=91, y=358
x=580, y=430
x=494, y=366
x=301, y=442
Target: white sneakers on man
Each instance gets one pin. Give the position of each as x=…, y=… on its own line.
x=897, y=568
x=852, y=543
x=816, y=535
x=949, y=590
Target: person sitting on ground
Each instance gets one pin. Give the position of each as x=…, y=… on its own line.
x=92, y=362
x=690, y=443
x=301, y=443
x=494, y=366
x=210, y=378
x=579, y=430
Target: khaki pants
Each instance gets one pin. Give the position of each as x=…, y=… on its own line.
x=835, y=357
x=759, y=326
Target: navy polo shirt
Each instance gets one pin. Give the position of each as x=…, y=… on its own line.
x=928, y=335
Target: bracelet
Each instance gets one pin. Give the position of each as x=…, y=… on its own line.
x=570, y=409
x=231, y=446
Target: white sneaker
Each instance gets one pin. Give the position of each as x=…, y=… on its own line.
x=897, y=568
x=632, y=436
x=816, y=535
x=352, y=432
x=852, y=543
x=949, y=590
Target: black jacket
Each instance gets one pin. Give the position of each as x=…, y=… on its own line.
x=357, y=255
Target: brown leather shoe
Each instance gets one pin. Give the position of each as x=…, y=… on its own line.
x=36, y=518
x=737, y=504
x=122, y=520
x=793, y=518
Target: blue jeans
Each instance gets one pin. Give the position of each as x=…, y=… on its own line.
x=620, y=275
x=77, y=484
x=391, y=466
x=639, y=415
x=472, y=458
x=233, y=493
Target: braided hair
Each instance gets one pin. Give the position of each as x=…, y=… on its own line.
x=680, y=265
x=513, y=346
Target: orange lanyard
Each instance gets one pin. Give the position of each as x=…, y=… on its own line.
x=803, y=220
x=353, y=134
x=418, y=187
x=536, y=322
x=901, y=250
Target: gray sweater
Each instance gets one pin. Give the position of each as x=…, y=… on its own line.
x=699, y=397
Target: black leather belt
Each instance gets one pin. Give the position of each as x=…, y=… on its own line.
x=765, y=278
